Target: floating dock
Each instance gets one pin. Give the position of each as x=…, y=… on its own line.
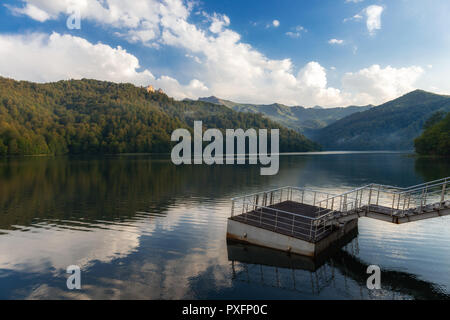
x=307, y=222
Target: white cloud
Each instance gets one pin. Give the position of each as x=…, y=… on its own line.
x=137, y=20
x=313, y=75
x=218, y=23
x=276, y=23
x=195, y=58
x=336, y=41
x=373, y=14
x=373, y=18
x=297, y=33
x=376, y=85
x=293, y=34
x=234, y=70
x=356, y=17
x=194, y=89
x=229, y=68
x=31, y=11
x=44, y=58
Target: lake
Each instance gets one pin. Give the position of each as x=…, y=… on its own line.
x=140, y=227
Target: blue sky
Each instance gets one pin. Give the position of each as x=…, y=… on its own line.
x=328, y=52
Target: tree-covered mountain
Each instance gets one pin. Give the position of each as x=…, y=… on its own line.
x=435, y=140
x=390, y=126
x=89, y=116
x=298, y=118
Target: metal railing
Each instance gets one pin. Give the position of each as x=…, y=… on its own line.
x=258, y=208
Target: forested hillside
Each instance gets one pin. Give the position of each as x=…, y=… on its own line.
x=89, y=116
x=391, y=126
x=435, y=140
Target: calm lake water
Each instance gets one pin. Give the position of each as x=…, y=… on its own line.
x=141, y=228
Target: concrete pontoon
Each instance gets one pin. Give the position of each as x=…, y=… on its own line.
x=307, y=222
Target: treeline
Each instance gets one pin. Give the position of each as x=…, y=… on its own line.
x=95, y=117
x=435, y=139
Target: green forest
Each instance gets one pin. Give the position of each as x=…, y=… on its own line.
x=435, y=139
x=98, y=117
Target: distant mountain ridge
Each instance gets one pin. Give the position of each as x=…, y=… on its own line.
x=299, y=118
x=391, y=126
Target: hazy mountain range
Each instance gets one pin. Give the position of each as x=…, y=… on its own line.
x=298, y=118
x=391, y=126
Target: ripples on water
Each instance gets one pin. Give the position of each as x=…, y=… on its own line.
x=139, y=227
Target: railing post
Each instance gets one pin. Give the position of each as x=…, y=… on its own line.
x=370, y=197
x=260, y=216
x=293, y=223
x=303, y=195
x=443, y=193
x=421, y=200
x=409, y=199
x=232, y=208
x=426, y=194
x=315, y=233
x=393, y=204
x=360, y=198
x=378, y=196
x=314, y=202
x=281, y=195
x=276, y=220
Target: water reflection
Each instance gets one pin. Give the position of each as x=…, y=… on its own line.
x=143, y=228
x=270, y=268
x=282, y=270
